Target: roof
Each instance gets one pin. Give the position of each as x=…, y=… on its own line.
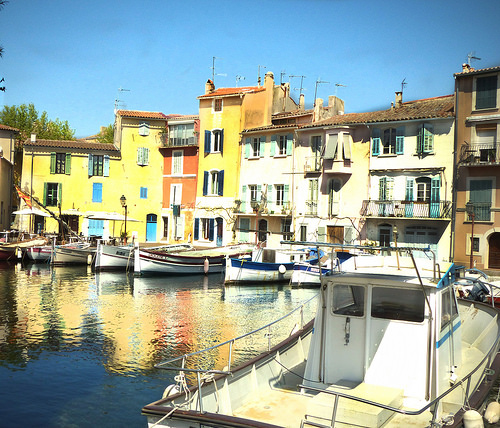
x=293, y=113
x=221, y=92
x=71, y=144
x=173, y=117
x=8, y=128
x=470, y=70
x=271, y=127
x=429, y=108
x=142, y=114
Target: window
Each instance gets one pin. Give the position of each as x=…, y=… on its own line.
x=142, y=156
x=386, y=185
x=423, y=189
x=181, y=135
x=286, y=229
x=214, y=141
x=177, y=157
x=486, y=92
x=143, y=193
x=165, y=227
x=280, y=194
x=303, y=232
x=218, y=104
x=282, y=145
x=389, y=141
x=255, y=147
x=398, y=304
x=316, y=144
x=144, y=129
x=207, y=229
x=213, y=183
x=349, y=300
x=253, y=188
x=98, y=165
x=175, y=194
x=52, y=194
x=312, y=200
x=475, y=244
x=481, y=196
x=425, y=139
x=60, y=163
x=96, y=192
x=449, y=309
x=334, y=187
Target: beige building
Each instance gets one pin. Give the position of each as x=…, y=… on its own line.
x=7, y=142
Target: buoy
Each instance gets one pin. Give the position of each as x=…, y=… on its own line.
x=472, y=419
x=282, y=269
x=206, y=265
x=492, y=414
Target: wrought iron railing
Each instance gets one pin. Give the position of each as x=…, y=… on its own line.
x=407, y=209
x=313, y=164
x=480, y=153
x=311, y=207
x=482, y=211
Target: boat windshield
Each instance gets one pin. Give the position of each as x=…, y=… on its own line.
x=398, y=304
x=348, y=300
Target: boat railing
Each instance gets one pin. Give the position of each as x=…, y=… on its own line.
x=434, y=404
x=168, y=365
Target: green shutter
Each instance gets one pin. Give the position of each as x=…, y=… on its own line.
x=68, y=164
x=409, y=189
x=273, y=144
x=243, y=198
x=52, y=163
x=400, y=139
x=321, y=234
x=45, y=186
x=59, y=193
x=269, y=196
x=247, y=148
x=262, y=147
x=375, y=142
x=289, y=144
x=285, y=192
x=91, y=166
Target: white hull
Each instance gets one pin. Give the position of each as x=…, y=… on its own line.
x=245, y=271
x=66, y=255
x=113, y=257
x=39, y=254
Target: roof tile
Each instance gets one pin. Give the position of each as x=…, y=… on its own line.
x=71, y=144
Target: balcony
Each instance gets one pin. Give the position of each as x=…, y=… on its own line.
x=407, y=209
x=480, y=154
x=178, y=142
x=311, y=207
x=482, y=211
x=312, y=164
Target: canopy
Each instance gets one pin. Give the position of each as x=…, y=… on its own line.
x=108, y=216
x=71, y=211
x=31, y=211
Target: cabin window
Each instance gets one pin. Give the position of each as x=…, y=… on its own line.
x=398, y=304
x=448, y=308
x=349, y=300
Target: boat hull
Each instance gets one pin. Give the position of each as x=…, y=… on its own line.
x=246, y=271
x=307, y=275
x=113, y=257
x=72, y=256
x=39, y=253
x=8, y=253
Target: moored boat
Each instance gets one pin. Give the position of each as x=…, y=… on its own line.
x=39, y=253
x=213, y=260
x=74, y=254
x=390, y=346
x=13, y=250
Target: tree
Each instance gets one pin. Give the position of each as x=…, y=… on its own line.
x=26, y=119
x=2, y=4
x=106, y=136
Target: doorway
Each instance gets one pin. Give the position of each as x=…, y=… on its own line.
x=219, y=223
x=335, y=234
x=151, y=228
x=262, y=231
x=494, y=251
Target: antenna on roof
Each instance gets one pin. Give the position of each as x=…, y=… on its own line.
x=213, y=70
x=282, y=74
x=471, y=56
x=337, y=87
x=117, y=99
x=238, y=78
x=258, y=80
x=301, y=82
x=403, y=84
x=316, y=89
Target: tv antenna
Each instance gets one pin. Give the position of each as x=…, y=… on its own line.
x=238, y=78
x=337, y=85
x=282, y=74
x=117, y=100
x=403, y=84
x=213, y=70
x=258, y=80
x=318, y=82
x=472, y=56
x=301, y=82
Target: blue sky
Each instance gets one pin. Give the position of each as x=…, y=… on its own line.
x=70, y=57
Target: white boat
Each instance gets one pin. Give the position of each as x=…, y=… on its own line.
x=75, y=254
x=156, y=261
x=13, y=250
x=263, y=265
x=39, y=253
x=390, y=346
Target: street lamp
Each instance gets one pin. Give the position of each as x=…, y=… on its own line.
x=469, y=208
x=123, y=201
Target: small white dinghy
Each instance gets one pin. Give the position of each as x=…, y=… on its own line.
x=390, y=345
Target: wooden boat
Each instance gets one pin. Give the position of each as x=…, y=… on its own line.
x=11, y=250
x=74, y=254
x=154, y=261
x=39, y=253
x=110, y=257
x=263, y=265
x=390, y=346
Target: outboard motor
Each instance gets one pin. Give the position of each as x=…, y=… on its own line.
x=478, y=292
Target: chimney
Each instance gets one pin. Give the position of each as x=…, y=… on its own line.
x=103, y=128
x=269, y=79
x=302, y=103
x=209, y=87
x=399, y=99
x=466, y=68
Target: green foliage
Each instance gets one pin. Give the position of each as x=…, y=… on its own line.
x=107, y=135
x=28, y=121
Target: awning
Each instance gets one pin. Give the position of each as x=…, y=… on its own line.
x=31, y=211
x=108, y=216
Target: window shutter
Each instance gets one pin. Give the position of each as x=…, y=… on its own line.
x=285, y=192
x=382, y=190
x=211, y=229
x=347, y=147
x=321, y=234
x=273, y=144
x=262, y=147
x=428, y=138
x=59, y=193
x=139, y=155
x=146, y=156
x=220, y=178
x=196, y=228
x=45, y=186
x=179, y=227
x=91, y=166
x=375, y=142
x=247, y=148
x=105, y=172
x=435, y=187
x=68, y=164
x=259, y=192
x=221, y=140
x=409, y=189
x=52, y=163
x=205, y=183
x=400, y=140
x=289, y=144
x=243, y=198
x=269, y=195
x=208, y=135
x=331, y=146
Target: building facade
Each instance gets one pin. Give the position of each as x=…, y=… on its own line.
x=7, y=147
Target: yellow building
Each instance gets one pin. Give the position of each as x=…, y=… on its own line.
x=7, y=140
x=224, y=113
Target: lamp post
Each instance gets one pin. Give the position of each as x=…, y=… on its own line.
x=123, y=201
x=469, y=208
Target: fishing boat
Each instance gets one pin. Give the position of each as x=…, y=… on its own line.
x=213, y=260
x=110, y=257
x=13, y=250
x=263, y=265
x=390, y=345
x=39, y=253
x=73, y=254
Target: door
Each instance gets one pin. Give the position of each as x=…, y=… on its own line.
x=494, y=253
x=151, y=228
x=335, y=234
x=262, y=230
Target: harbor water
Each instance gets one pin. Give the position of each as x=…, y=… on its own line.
x=78, y=348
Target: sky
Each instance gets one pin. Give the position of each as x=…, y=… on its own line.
x=76, y=60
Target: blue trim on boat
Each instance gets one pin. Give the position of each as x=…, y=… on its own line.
x=247, y=264
x=447, y=335
x=448, y=278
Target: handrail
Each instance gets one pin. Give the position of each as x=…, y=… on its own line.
x=230, y=342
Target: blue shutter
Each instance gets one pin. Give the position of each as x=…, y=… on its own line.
x=400, y=140
x=289, y=144
x=208, y=135
x=97, y=192
x=220, y=177
x=375, y=142
x=106, y=166
x=91, y=166
x=205, y=183
x=196, y=229
x=247, y=147
x=273, y=144
x=409, y=197
x=221, y=140
x=211, y=228
x=262, y=147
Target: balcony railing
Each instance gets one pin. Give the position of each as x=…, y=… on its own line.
x=312, y=164
x=311, y=207
x=407, y=209
x=480, y=154
x=482, y=211
x=179, y=142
